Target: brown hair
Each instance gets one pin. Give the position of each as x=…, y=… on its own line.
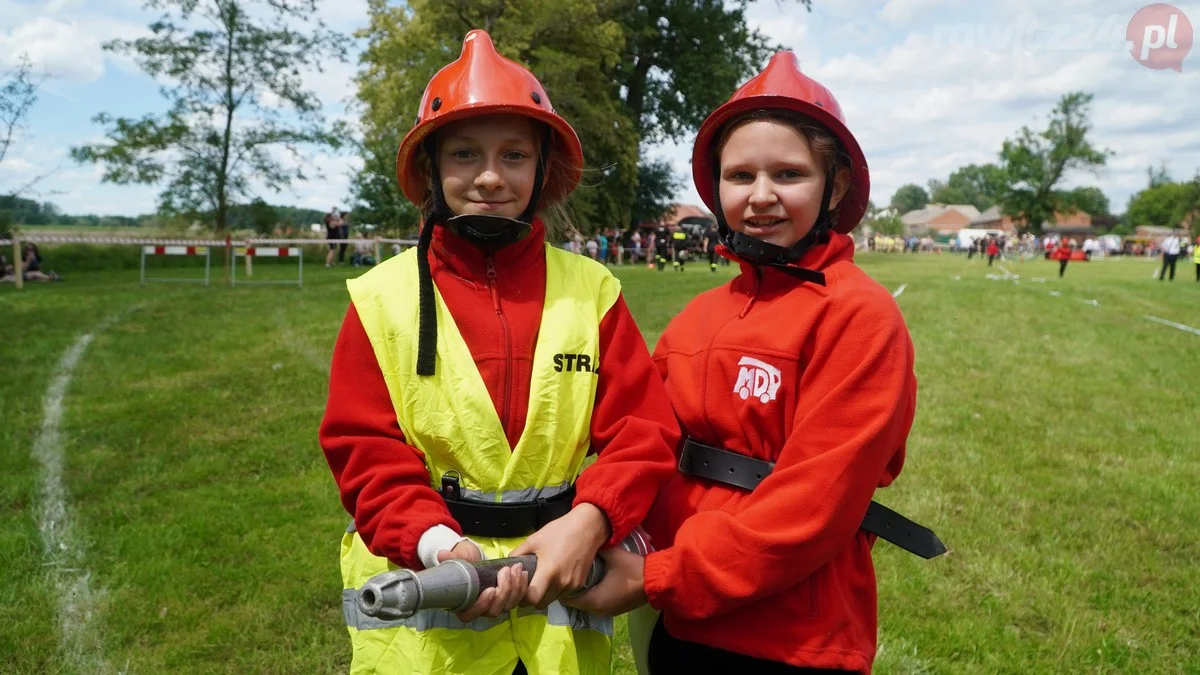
x=825, y=146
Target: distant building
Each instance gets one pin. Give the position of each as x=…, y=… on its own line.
x=685, y=215
x=937, y=219
x=1078, y=224
x=942, y=219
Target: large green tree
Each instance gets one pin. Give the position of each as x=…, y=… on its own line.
x=1035, y=162
x=232, y=71
x=378, y=199
x=980, y=185
x=1166, y=205
x=683, y=58
x=657, y=184
x=1090, y=200
x=909, y=198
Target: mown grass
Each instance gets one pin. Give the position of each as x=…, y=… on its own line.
x=1054, y=451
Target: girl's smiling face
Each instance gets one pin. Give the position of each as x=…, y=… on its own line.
x=771, y=183
x=488, y=165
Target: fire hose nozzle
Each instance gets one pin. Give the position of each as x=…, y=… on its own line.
x=454, y=584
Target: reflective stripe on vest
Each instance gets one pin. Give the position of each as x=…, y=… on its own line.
x=451, y=419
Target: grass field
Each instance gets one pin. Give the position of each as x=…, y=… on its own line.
x=164, y=506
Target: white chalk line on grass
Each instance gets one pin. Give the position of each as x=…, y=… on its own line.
x=77, y=604
x=317, y=360
x=1172, y=324
x=896, y=293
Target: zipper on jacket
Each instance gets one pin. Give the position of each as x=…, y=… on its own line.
x=491, y=284
x=753, y=294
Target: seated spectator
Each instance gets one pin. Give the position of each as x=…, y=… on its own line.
x=32, y=265
x=363, y=251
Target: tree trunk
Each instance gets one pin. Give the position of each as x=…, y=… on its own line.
x=231, y=18
x=635, y=91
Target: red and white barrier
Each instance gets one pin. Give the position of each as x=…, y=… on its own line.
x=251, y=252
x=184, y=250
x=260, y=248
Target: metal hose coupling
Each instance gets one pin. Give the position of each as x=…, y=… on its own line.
x=455, y=584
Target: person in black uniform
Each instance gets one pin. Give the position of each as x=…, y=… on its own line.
x=711, y=237
x=662, y=246
x=679, y=239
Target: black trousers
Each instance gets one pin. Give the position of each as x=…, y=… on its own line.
x=669, y=655
x=1198, y=271
x=1062, y=267
x=1168, y=261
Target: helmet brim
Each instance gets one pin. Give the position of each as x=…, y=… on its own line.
x=565, y=144
x=853, y=205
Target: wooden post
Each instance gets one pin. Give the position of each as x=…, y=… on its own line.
x=18, y=270
x=228, y=260
x=377, y=249
x=249, y=266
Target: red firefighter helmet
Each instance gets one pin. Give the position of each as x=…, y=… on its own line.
x=482, y=82
x=782, y=85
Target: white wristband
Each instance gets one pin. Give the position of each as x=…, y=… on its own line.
x=436, y=539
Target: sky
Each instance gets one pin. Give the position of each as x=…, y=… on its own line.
x=927, y=86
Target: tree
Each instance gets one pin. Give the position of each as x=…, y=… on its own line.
x=890, y=225
x=1035, y=162
x=1090, y=200
x=1158, y=176
x=263, y=217
x=229, y=82
x=657, y=184
x=909, y=198
x=377, y=196
x=682, y=59
x=18, y=93
x=1165, y=205
x=978, y=185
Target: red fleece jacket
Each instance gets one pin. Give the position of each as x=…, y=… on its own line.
x=497, y=304
x=819, y=380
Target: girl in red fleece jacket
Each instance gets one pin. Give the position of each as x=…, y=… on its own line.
x=491, y=389
x=794, y=384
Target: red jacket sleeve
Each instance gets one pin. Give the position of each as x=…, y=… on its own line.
x=856, y=404
x=633, y=428
x=383, y=481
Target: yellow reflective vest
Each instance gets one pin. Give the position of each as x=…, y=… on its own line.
x=451, y=419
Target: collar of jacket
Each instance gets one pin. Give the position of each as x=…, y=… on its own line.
x=840, y=247
x=467, y=260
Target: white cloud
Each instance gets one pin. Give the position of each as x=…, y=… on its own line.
x=62, y=50
x=903, y=11
x=922, y=105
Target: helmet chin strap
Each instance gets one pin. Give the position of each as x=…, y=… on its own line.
x=766, y=254
x=487, y=232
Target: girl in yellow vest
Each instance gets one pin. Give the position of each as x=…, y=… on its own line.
x=1196, y=257
x=472, y=376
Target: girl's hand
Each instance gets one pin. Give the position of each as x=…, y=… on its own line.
x=565, y=548
x=620, y=591
x=511, y=585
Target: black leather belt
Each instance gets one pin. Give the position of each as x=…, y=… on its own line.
x=489, y=519
x=730, y=468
